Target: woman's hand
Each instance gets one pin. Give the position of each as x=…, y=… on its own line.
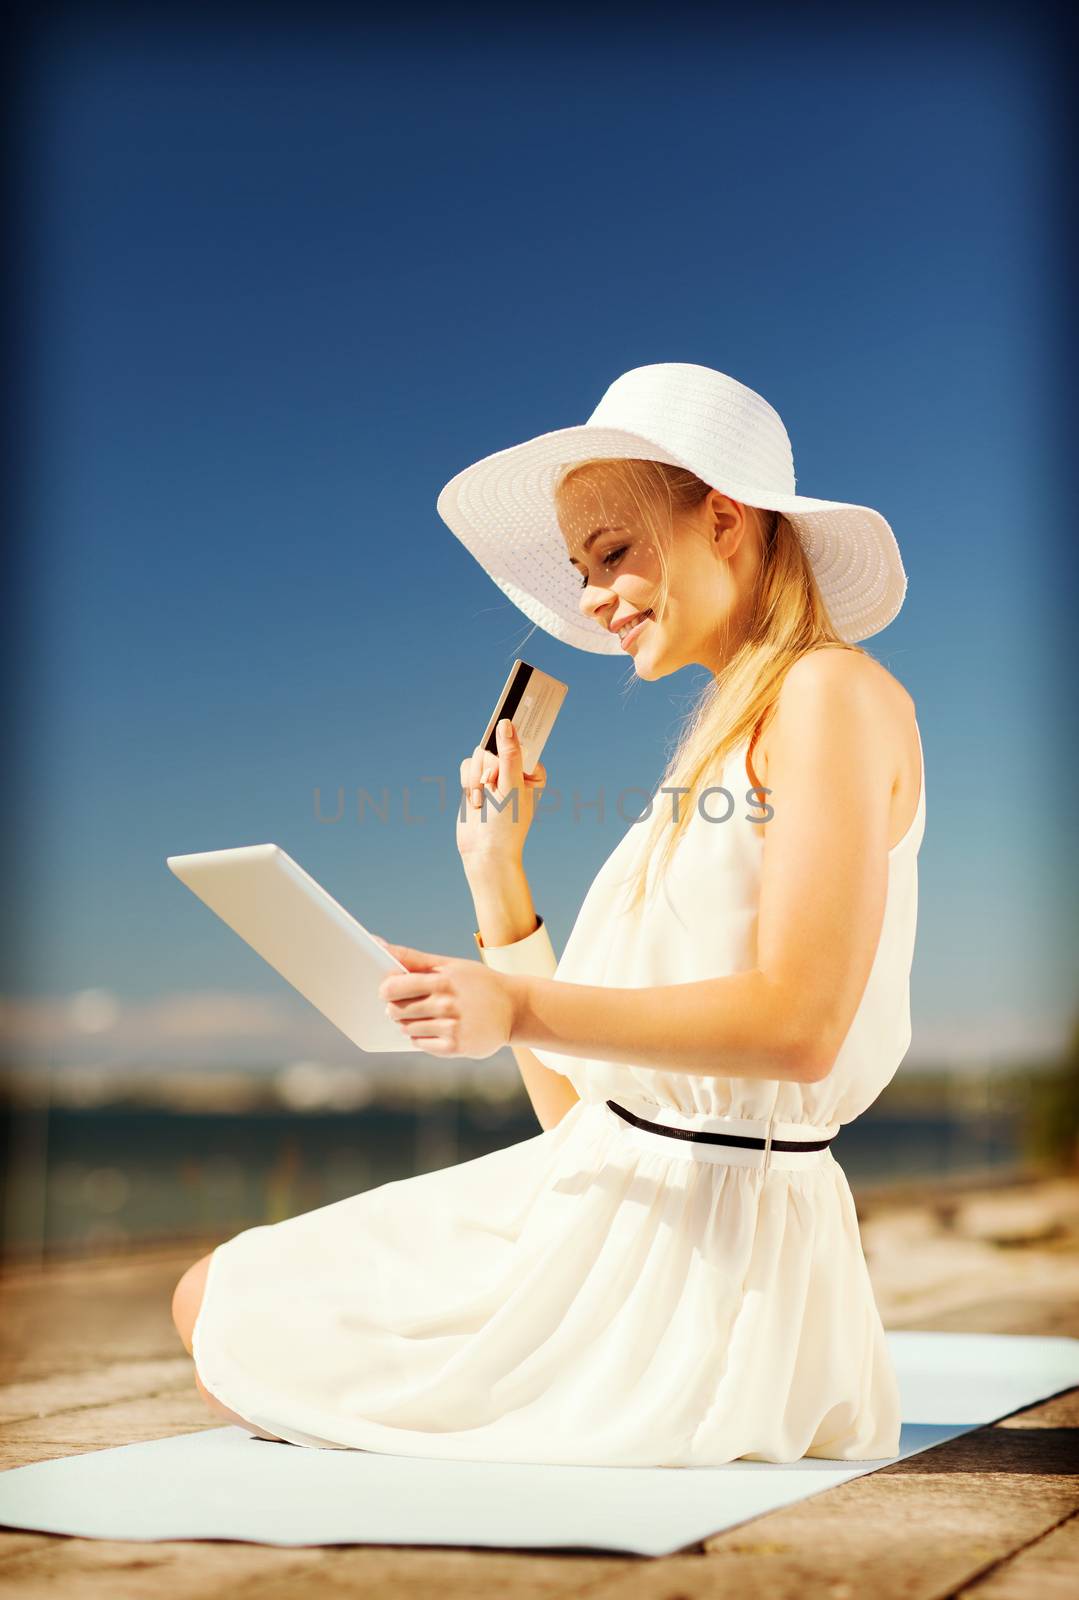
x=447, y=1006
x=482, y=829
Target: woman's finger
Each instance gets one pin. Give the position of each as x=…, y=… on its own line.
x=509, y=758
x=430, y=1007
x=475, y=775
x=431, y=1036
x=466, y=778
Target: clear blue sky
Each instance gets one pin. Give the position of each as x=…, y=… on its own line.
x=283, y=284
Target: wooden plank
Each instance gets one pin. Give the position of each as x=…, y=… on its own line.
x=72, y=1391
x=1000, y=1261
x=100, y=1427
x=187, y=1570
x=919, y=1530
x=387, y=1573
x=1048, y=1569
x=85, y=1316
x=180, y=1569
x=14, y=1542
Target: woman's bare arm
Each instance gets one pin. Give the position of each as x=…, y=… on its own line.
x=506, y=916
x=824, y=882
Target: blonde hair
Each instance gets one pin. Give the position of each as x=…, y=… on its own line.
x=788, y=619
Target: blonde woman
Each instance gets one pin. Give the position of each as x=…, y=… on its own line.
x=670, y=1273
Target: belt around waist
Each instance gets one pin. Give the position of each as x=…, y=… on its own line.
x=736, y=1141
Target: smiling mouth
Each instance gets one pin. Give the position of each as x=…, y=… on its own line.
x=630, y=628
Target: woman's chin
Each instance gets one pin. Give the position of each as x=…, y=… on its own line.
x=654, y=663
x=645, y=667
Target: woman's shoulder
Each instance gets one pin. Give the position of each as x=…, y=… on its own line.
x=835, y=664
x=850, y=677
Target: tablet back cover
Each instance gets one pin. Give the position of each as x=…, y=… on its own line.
x=305, y=935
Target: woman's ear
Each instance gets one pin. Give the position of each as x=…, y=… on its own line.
x=726, y=521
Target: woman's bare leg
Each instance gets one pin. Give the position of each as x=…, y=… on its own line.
x=186, y=1301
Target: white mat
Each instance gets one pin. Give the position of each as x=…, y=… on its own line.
x=224, y=1483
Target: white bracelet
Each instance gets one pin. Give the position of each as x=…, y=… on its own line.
x=533, y=954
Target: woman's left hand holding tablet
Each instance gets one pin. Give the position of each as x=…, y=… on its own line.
x=449, y=1006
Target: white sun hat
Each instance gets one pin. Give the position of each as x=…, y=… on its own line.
x=502, y=507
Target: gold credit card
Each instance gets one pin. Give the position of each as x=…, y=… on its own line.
x=532, y=700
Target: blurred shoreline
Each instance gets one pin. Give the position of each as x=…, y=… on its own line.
x=113, y=1160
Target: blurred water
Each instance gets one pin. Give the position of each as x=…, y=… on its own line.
x=107, y=1176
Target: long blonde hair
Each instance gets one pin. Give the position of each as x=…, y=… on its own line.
x=787, y=620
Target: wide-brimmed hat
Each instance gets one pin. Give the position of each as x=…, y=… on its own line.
x=502, y=507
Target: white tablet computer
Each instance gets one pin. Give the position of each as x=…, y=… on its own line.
x=280, y=911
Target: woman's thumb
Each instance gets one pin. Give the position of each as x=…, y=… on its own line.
x=509, y=755
x=415, y=960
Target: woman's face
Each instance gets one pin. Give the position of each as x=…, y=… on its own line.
x=712, y=568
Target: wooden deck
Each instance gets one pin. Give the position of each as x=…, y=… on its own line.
x=92, y=1360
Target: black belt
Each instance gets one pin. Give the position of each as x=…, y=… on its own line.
x=748, y=1141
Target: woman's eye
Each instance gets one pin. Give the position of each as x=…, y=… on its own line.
x=610, y=557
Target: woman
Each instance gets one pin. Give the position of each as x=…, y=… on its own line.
x=671, y=1273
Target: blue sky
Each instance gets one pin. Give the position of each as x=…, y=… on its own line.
x=283, y=284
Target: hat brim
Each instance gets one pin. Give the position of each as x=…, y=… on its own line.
x=501, y=508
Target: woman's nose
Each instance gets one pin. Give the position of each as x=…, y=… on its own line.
x=593, y=599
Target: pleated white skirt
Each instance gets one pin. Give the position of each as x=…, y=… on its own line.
x=595, y=1295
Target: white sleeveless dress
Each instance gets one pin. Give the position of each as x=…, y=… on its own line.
x=601, y=1293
